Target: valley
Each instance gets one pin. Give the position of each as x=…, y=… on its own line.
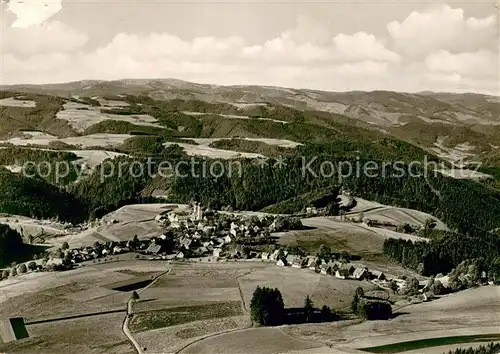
x=148, y=261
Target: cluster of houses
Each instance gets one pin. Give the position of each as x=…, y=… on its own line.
x=78, y=255
x=335, y=268
x=208, y=233
x=194, y=233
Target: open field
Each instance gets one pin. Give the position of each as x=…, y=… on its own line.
x=385, y=213
x=37, y=296
x=82, y=116
x=195, y=302
x=470, y=312
x=74, y=301
x=174, y=338
x=442, y=349
x=112, y=103
x=148, y=320
x=32, y=227
x=232, y=116
x=202, y=150
x=85, y=141
x=295, y=284
x=423, y=344
x=255, y=340
x=191, y=301
x=92, y=158
x=130, y=220
x=457, y=155
x=87, y=158
x=355, y=238
x=275, y=142
x=465, y=174
x=17, y=102
x=194, y=284
x=99, y=334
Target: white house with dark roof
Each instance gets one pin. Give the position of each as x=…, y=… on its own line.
x=312, y=262
x=217, y=252
x=274, y=256
x=360, y=273
x=376, y=274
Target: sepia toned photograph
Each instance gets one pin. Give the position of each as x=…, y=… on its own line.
x=249, y=177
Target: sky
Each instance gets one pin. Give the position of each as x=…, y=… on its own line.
x=327, y=45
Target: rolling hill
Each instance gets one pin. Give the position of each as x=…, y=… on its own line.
x=442, y=123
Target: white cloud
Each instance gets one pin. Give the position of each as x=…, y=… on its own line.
x=480, y=64
x=32, y=12
x=442, y=28
x=362, y=46
x=49, y=37
x=423, y=52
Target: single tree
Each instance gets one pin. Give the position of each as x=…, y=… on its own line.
x=134, y=296
x=308, y=309
x=411, y=287
x=358, y=294
x=394, y=286
x=13, y=272
x=65, y=246
x=22, y=269
x=32, y=265
x=437, y=288
x=5, y=274
x=267, y=307
x=324, y=252
x=326, y=313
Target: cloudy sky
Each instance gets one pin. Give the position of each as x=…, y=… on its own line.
x=331, y=45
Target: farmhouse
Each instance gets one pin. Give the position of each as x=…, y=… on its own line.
x=55, y=261
x=360, y=273
x=313, y=262
x=344, y=271
x=376, y=274
x=186, y=242
x=311, y=211
x=119, y=249
x=265, y=256
x=217, y=252
x=176, y=219
x=328, y=268
x=274, y=256
x=153, y=248
x=294, y=260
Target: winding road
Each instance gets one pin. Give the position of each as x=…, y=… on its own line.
x=126, y=321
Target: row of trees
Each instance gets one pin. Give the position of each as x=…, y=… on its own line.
x=370, y=309
x=491, y=348
x=267, y=309
x=11, y=245
x=17, y=270
x=441, y=255
x=254, y=187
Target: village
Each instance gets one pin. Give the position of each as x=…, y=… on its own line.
x=195, y=233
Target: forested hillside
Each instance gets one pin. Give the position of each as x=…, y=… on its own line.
x=36, y=198
x=325, y=135
x=11, y=245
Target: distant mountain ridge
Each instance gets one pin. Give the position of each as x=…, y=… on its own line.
x=441, y=122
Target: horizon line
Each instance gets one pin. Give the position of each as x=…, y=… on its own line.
x=2, y=86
